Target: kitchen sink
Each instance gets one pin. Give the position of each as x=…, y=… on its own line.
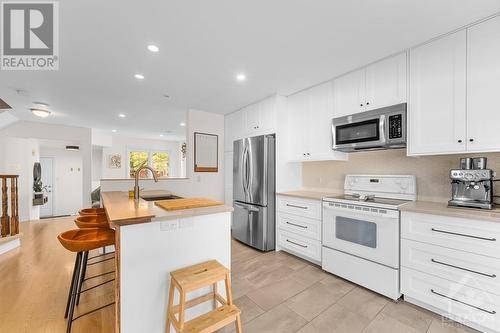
x=161, y=197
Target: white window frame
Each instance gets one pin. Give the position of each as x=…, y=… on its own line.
x=150, y=158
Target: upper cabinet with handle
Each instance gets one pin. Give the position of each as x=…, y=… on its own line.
x=483, y=86
x=310, y=115
x=377, y=85
x=436, y=107
x=454, y=84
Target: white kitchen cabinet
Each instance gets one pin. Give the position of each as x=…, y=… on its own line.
x=349, y=93
x=234, y=129
x=377, y=85
x=483, y=86
x=260, y=117
x=228, y=178
x=310, y=125
x=386, y=82
x=437, y=98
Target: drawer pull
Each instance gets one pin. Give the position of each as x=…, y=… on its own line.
x=464, y=235
x=289, y=241
x=295, y=206
x=464, y=269
x=464, y=303
x=296, y=225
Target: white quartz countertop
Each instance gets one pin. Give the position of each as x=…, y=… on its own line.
x=441, y=208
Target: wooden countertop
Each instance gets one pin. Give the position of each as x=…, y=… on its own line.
x=308, y=194
x=122, y=210
x=441, y=208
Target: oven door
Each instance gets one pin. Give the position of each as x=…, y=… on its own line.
x=367, y=235
x=350, y=134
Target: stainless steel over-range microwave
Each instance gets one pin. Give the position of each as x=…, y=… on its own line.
x=383, y=128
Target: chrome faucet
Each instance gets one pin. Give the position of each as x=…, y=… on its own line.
x=136, y=187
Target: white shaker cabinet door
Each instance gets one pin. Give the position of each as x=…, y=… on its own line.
x=386, y=82
x=297, y=106
x=483, y=86
x=267, y=115
x=437, y=100
x=349, y=94
x=234, y=127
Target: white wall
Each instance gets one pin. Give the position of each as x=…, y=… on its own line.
x=34, y=130
x=198, y=184
x=68, y=180
x=122, y=145
x=18, y=156
x=97, y=159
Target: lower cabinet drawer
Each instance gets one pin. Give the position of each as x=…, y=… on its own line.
x=300, y=245
x=470, y=269
x=455, y=300
x=298, y=206
x=300, y=225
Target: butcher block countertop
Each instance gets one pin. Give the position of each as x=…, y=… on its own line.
x=307, y=194
x=441, y=208
x=122, y=210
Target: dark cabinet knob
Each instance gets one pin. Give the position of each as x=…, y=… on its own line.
x=459, y=141
x=367, y=103
x=360, y=104
x=471, y=140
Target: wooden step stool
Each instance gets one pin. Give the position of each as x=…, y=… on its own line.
x=196, y=277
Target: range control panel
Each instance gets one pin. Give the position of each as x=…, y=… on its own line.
x=395, y=126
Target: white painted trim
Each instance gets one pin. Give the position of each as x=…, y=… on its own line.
x=8, y=246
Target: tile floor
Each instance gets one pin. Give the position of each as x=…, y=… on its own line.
x=278, y=292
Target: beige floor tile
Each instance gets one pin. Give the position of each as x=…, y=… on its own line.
x=336, y=319
x=309, y=275
x=364, y=302
x=314, y=300
x=264, y=277
x=443, y=325
x=249, y=311
x=240, y=286
x=279, y=320
x=338, y=284
x=244, y=255
x=270, y=296
x=418, y=318
x=386, y=324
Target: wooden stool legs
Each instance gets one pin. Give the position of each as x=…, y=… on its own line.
x=209, y=322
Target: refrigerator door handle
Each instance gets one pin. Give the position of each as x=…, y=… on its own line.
x=243, y=170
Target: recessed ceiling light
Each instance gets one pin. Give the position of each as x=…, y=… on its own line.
x=40, y=110
x=241, y=77
x=139, y=76
x=153, y=48
x=182, y=124
x=161, y=134
x=113, y=130
x=121, y=115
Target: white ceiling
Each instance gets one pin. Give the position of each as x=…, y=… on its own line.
x=282, y=45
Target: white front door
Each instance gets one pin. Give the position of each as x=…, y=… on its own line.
x=47, y=164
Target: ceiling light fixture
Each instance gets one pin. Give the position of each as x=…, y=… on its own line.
x=161, y=134
x=241, y=77
x=121, y=115
x=40, y=110
x=153, y=48
x=113, y=130
x=182, y=124
x=139, y=76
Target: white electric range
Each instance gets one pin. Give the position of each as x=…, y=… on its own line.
x=361, y=230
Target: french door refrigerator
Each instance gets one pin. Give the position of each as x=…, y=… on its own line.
x=254, y=191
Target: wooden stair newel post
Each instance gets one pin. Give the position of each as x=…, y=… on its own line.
x=14, y=214
x=5, y=217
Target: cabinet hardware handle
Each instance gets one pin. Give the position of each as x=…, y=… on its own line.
x=360, y=104
x=464, y=235
x=295, y=206
x=471, y=140
x=464, y=303
x=464, y=269
x=297, y=225
x=367, y=103
x=289, y=241
x=459, y=141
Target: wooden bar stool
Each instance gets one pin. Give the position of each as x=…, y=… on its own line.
x=92, y=211
x=196, y=277
x=86, y=222
x=81, y=241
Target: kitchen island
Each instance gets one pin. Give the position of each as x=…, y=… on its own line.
x=150, y=243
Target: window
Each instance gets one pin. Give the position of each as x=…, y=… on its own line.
x=158, y=160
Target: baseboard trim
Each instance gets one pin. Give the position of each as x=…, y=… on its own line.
x=9, y=243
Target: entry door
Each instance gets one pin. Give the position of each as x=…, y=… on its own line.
x=47, y=164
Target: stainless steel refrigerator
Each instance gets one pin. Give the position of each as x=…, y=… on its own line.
x=254, y=191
